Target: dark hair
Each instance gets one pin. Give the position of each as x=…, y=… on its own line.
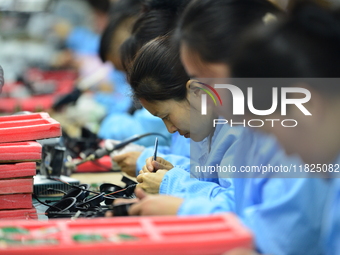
x=159, y=18
x=157, y=73
x=303, y=47
x=120, y=12
x=100, y=5
x=211, y=27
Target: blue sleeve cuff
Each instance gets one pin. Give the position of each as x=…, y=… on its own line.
x=173, y=181
x=199, y=206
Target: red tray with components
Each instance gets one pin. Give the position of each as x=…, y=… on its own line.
x=125, y=235
x=20, y=152
x=16, y=201
x=33, y=103
x=34, y=74
x=16, y=128
x=17, y=170
x=19, y=214
x=103, y=164
x=11, y=186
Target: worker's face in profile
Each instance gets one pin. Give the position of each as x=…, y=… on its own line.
x=197, y=68
x=209, y=73
x=120, y=35
x=182, y=116
x=315, y=138
x=306, y=139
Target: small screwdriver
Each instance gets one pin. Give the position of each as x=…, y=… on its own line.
x=155, y=149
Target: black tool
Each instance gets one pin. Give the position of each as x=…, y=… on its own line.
x=106, y=151
x=155, y=149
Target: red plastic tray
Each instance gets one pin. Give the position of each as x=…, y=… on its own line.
x=20, y=214
x=103, y=164
x=154, y=235
x=17, y=170
x=28, y=127
x=35, y=74
x=34, y=103
x=16, y=201
x=12, y=186
x=19, y=152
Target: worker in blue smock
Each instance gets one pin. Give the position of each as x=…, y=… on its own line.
x=256, y=199
x=309, y=42
x=229, y=31
x=253, y=198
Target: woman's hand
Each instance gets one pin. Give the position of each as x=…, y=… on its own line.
x=127, y=162
x=155, y=204
x=241, y=251
x=154, y=165
x=150, y=182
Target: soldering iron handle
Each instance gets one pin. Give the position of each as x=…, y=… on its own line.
x=104, y=151
x=101, y=153
x=124, y=143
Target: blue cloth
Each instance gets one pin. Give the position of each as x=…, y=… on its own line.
x=82, y=40
x=122, y=126
x=177, y=154
x=178, y=181
x=331, y=231
x=285, y=214
x=119, y=100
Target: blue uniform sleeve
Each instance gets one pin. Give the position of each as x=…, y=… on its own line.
x=205, y=206
x=210, y=198
x=331, y=228
x=178, y=182
x=285, y=214
x=288, y=220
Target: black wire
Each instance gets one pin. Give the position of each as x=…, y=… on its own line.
x=52, y=189
x=74, y=186
x=41, y=202
x=109, y=197
x=158, y=134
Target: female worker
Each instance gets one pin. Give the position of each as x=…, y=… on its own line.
x=157, y=18
x=270, y=207
x=304, y=46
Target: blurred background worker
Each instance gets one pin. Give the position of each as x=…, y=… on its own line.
x=119, y=45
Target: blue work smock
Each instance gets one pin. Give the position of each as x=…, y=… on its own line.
x=331, y=231
x=285, y=214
